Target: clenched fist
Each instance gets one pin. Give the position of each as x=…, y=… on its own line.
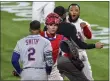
x=99, y=45
x=83, y=24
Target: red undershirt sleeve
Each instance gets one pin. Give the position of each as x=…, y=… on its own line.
x=87, y=32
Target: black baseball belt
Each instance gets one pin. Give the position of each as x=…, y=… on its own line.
x=35, y=67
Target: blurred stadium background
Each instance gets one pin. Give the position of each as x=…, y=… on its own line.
x=15, y=19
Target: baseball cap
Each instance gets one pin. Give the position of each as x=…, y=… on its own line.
x=60, y=10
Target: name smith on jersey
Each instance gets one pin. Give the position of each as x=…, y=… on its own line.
x=31, y=41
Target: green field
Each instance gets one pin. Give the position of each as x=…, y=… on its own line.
x=11, y=31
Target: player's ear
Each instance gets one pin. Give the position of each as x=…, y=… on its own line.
x=79, y=13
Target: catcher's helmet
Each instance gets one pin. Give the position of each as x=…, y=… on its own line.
x=52, y=18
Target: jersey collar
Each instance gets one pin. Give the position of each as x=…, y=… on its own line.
x=49, y=38
x=31, y=36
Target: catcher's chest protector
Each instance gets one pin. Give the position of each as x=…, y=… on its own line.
x=56, y=45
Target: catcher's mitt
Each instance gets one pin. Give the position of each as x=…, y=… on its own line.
x=71, y=48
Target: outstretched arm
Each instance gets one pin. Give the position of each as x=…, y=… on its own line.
x=69, y=31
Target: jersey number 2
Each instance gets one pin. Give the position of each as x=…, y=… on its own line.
x=31, y=53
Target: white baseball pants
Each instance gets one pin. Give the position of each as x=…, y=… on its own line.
x=33, y=74
x=55, y=75
x=87, y=67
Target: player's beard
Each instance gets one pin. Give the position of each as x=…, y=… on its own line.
x=71, y=20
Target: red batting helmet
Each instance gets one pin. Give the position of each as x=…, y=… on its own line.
x=52, y=18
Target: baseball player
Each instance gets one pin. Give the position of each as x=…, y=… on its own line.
x=61, y=11
x=35, y=53
x=84, y=31
x=69, y=31
x=40, y=10
x=52, y=22
x=65, y=66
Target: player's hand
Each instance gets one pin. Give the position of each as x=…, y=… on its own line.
x=48, y=69
x=99, y=45
x=15, y=73
x=83, y=24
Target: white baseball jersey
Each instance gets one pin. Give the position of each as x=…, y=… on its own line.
x=32, y=49
x=78, y=28
x=82, y=52
x=40, y=10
